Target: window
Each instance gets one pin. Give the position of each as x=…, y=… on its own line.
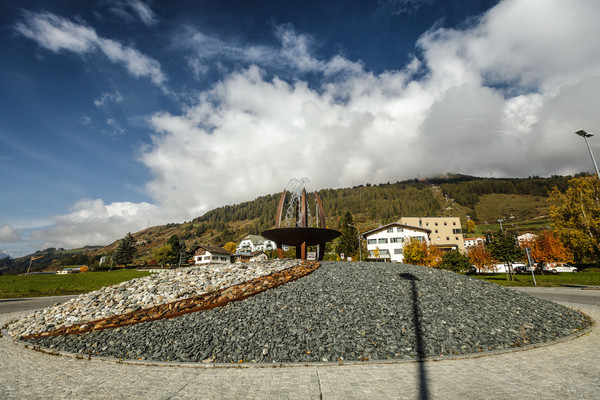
x=371, y=241
x=207, y=257
x=436, y=224
x=418, y=238
x=447, y=237
x=399, y=230
x=426, y=224
x=397, y=240
x=456, y=231
x=382, y=240
x=436, y=231
x=398, y=251
x=454, y=224
x=445, y=224
x=456, y=238
x=390, y=230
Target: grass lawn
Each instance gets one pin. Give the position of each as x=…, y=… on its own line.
x=56, y=285
x=565, y=278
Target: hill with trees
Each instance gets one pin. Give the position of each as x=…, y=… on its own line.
x=521, y=202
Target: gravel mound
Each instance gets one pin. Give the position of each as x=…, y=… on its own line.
x=142, y=293
x=343, y=311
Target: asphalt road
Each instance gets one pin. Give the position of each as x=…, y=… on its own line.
x=30, y=303
x=564, y=294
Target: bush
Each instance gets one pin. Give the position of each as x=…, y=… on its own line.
x=455, y=261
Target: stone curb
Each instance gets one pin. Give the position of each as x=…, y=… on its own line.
x=27, y=345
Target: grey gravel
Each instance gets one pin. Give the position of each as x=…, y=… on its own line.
x=343, y=311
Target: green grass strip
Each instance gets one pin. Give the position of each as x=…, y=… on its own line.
x=13, y=286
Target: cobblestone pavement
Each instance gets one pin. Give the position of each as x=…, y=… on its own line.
x=568, y=369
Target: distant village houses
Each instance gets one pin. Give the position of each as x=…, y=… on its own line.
x=206, y=255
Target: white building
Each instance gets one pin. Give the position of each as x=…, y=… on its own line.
x=526, y=237
x=252, y=243
x=476, y=241
x=211, y=255
x=446, y=232
x=250, y=257
x=387, y=242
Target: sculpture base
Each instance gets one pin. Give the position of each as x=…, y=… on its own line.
x=301, y=237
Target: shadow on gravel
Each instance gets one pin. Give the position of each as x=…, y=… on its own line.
x=423, y=389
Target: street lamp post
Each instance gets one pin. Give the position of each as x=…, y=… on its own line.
x=359, y=246
x=586, y=135
x=501, y=230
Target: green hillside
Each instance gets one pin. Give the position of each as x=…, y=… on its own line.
x=521, y=203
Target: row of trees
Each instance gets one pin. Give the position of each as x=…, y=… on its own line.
x=500, y=248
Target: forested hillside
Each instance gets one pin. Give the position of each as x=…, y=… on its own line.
x=370, y=205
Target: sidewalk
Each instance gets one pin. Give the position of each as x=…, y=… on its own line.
x=569, y=369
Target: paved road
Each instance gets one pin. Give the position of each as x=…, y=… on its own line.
x=565, y=294
x=30, y=303
x=565, y=370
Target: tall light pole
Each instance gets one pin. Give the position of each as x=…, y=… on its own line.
x=501, y=230
x=586, y=135
x=359, y=246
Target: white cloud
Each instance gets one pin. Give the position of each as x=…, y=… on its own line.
x=131, y=10
x=116, y=128
x=475, y=100
x=8, y=234
x=107, y=98
x=56, y=33
x=497, y=96
x=93, y=222
x=294, y=52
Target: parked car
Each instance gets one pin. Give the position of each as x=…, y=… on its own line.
x=520, y=269
x=555, y=268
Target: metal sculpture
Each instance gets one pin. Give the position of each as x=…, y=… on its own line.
x=298, y=228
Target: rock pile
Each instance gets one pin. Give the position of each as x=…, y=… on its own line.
x=343, y=311
x=141, y=293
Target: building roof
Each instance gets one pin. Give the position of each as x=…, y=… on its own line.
x=395, y=224
x=255, y=239
x=211, y=249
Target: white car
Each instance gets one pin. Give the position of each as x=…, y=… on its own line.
x=556, y=268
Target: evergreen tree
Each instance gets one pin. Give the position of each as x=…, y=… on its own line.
x=177, y=246
x=348, y=242
x=455, y=261
x=126, y=250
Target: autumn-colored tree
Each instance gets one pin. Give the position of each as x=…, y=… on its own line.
x=481, y=258
x=576, y=217
x=419, y=253
x=549, y=249
x=470, y=226
x=230, y=247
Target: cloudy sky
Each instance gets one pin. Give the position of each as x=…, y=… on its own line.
x=119, y=114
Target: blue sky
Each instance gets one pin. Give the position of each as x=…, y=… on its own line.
x=119, y=114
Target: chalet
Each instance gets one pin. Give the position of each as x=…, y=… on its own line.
x=205, y=255
x=253, y=243
x=250, y=257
